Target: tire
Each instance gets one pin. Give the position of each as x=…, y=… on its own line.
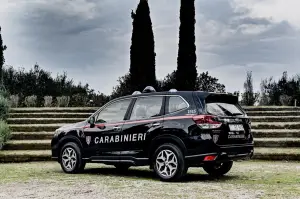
x=162, y=166
x=218, y=169
x=122, y=167
x=72, y=151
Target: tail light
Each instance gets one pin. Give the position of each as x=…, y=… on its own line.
x=207, y=122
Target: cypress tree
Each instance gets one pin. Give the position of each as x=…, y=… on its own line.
x=186, y=73
x=142, y=55
x=2, y=60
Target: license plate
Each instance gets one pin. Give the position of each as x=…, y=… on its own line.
x=236, y=136
x=236, y=127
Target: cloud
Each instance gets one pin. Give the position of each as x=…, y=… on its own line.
x=91, y=39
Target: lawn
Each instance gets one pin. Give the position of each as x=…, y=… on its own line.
x=249, y=179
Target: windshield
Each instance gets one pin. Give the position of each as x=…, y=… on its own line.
x=223, y=109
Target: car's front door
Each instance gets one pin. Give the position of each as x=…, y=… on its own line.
x=146, y=117
x=103, y=138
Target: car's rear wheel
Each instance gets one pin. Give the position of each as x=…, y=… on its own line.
x=168, y=162
x=218, y=169
x=71, y=158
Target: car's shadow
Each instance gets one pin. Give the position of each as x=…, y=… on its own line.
x=149, y=174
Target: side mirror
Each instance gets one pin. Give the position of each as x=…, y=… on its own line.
x=91, y=121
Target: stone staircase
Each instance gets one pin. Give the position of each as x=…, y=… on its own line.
x=276, y=131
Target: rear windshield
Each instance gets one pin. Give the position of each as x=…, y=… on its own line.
x=220, y=104
x=223, y=109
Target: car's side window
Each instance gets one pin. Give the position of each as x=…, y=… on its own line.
x=176, y=103
x=147, y=107
x=114, y=112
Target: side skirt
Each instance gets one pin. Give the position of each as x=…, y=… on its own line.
x=111, y=160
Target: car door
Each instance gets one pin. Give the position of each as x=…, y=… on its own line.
x=103, y=137
x=145, y=117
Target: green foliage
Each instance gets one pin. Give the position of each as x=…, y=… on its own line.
x=249, y=97
x=2, y=59
x=205, y=82
x=142, y=55
x=282, y=92
x=47, y=101
x=5, y=133
x=186, y=73
x=79, y=99
x=63, y=101
x=123, y=88
x=14, y=101
x=4, y=108
x=31, y=101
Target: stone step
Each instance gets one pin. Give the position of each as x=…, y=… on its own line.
x=271, y=108
x=275, y=125
x=43, y=135
x=43, y=120
x=35, y=127
x=277, y=142
x=24, y=156
x=55, y=109
x=273, y=113
x=28, y=145
x=273, y=133
x=275, y=118
x=50, y=115
x=288, y=154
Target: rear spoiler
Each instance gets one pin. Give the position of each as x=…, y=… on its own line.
x=217, y=97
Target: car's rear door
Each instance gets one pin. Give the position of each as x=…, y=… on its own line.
x=146, y=117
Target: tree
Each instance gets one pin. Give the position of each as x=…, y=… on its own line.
x=249, y=97
x=205, y=82
x=2, y=60
x=186, y=73
x=142, y=55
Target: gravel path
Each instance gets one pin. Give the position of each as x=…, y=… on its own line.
x=246, y=180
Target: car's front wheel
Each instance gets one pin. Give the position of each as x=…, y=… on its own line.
x=71, y=158
x=168, y=162
x=218, y=169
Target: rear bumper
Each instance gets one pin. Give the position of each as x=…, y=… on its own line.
x=224, y=153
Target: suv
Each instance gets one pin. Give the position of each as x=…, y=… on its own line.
x=170, y=131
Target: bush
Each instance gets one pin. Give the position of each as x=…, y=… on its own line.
x=14, y=100
x=63, y=101
x=47, y=101
x=30, y=101
x=79, y=100
x=4, y=108
x=5, y=133
x=285, y=100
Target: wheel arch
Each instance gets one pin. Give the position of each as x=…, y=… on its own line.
x=166, y=138
x=66, y=139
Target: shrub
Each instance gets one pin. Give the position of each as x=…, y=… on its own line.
x=78, y=100
x=47, y=101
x=30, y=101
x=14, y=100
x=4, y=108
x=285, y=100
x=5, y=133
x=63, y=101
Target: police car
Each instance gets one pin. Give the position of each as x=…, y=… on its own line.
x=169, y=131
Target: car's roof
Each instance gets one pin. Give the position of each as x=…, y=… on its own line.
x=181, y=93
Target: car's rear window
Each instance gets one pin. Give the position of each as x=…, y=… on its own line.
x=223, y=109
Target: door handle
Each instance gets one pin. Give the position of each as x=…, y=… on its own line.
x=155, y=124
x=116, y=128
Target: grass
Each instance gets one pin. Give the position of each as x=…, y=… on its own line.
x=250, y=179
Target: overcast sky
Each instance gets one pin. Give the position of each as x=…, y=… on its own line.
x=90, y=39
